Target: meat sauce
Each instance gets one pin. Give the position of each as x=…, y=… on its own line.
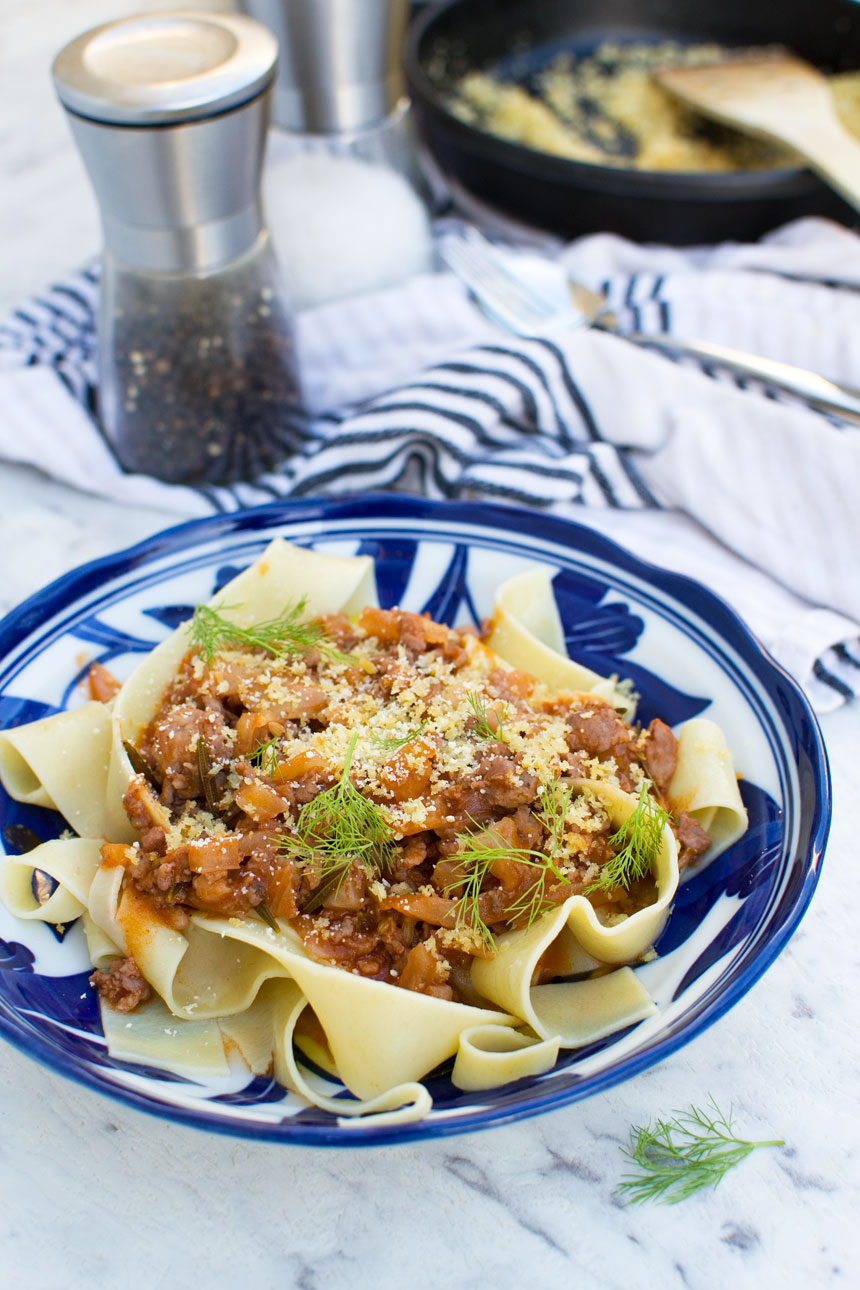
x=453, y=748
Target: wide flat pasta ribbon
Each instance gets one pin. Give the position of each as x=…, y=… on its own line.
x=578, y=1012
x=628, y=938
x=705, y=784
x=154, y=1036
x=379, y=1035
x=286, y=574
x=100, y=947
x=198, y=972
x=527, y=633
x=490, y=1056
x=572, y=1012
x=62, y=762
x=262, y=1037
x=71, y=862
x=400, y=1103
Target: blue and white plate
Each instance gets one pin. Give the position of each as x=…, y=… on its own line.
x=684, y=649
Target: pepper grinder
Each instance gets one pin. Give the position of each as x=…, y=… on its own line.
x=197, y=378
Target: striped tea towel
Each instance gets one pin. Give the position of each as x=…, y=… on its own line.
x=747, y=490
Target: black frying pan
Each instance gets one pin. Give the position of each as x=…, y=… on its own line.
x=515, y=37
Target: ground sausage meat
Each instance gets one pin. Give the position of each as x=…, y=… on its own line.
x=173, y=746
x=123, y=986
x=661, y=753
x=693, y=841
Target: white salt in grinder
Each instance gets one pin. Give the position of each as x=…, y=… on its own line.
x=346, y=197
x=197, y=380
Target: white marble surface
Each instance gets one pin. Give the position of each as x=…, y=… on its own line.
x=93, y=1194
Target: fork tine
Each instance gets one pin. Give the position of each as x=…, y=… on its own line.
x=503, y=294
x=528, y=291
x=515, y=289
x=489, y=281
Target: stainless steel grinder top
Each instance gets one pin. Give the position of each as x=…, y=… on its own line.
x=163, y=68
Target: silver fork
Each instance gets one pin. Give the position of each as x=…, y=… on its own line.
x=527, y=310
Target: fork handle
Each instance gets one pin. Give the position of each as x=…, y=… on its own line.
x=795, y=380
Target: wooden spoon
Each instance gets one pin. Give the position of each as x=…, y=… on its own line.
x=778, y=97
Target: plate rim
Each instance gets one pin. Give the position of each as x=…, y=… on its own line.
x=38, y=608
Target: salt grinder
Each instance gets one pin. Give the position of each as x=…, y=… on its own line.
x=345, y=149
x=341, y=66
x=196, y=357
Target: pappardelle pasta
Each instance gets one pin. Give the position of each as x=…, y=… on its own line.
x=314, y=833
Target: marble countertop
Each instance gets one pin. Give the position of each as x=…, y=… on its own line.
x=94, y=1194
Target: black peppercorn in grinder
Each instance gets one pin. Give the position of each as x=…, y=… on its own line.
x=197, y=379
